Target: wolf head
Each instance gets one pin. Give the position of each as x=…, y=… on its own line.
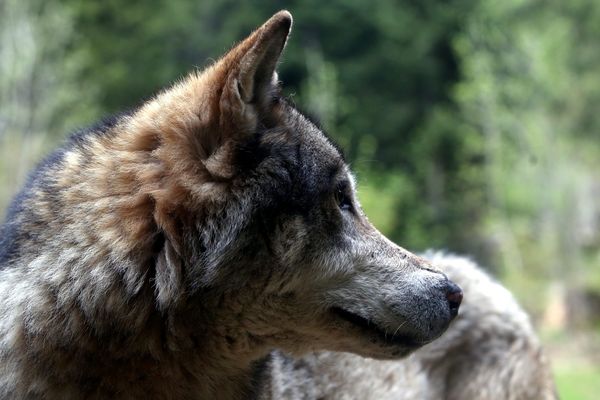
x=261, y=231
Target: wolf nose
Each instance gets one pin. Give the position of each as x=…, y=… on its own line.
x=454, y=295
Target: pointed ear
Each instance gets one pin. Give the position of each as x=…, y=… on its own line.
x=257, y=76
x=251, y=79
x=210, y=113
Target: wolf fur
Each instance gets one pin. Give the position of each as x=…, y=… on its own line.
x=164, y=253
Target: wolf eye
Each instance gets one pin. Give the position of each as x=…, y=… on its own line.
x=343, y=200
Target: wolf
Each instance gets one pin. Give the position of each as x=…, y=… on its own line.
x=166, y=252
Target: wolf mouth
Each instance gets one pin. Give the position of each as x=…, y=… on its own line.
x=370, y=327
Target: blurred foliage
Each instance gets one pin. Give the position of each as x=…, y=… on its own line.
x=526, y=89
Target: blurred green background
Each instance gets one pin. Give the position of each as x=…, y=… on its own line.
x=473, y=125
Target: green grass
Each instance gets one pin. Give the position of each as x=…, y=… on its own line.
x=578, y=382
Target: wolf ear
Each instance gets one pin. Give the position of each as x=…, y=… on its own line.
x=257, y=67
x=252, y=79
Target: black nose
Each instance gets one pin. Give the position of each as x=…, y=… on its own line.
x=454, y=296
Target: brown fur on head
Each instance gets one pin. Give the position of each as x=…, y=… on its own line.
x=208, y=118
x=175, y=155
x=197, y=124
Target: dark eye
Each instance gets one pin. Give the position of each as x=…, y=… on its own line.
x=343, y=200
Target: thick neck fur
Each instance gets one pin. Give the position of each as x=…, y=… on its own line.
x=91, y=289
x=128, y=349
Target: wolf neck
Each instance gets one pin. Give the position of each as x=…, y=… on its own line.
x=108, y=203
